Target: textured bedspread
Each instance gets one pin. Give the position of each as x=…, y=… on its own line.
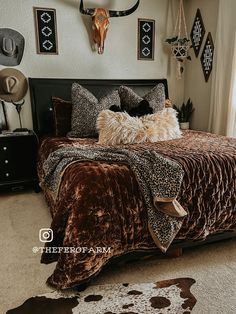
x=89, y=190
x=159, y=179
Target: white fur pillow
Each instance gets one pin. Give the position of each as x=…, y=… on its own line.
x=120, y=128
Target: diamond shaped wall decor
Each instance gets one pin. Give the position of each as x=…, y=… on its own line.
x=207, y=57
x=46, y=30
x=197, y=33
x=146, y=39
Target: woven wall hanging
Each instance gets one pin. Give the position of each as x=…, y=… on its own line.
x=180, y=42
x=46, y=30
x=146, y=39
x=207, y=57
x=197, y=33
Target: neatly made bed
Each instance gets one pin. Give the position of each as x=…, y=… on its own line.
x=101, y=205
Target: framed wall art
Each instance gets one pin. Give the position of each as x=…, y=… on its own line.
x=207, y=57
x=146, y=39
x=46, y=30
x=3, y=118
x=197, y=33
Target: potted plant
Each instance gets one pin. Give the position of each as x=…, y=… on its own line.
x=180, y=51
x=179, y=47
x=180, y=42
x=184, y=114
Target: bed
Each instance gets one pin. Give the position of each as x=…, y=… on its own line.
x=117, y=222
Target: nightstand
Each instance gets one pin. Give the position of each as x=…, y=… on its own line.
x=18, y=154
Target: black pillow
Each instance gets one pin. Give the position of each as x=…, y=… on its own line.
x=142, y=109
x=116, y=108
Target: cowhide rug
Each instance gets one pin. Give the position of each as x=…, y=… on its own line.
x=170, y=296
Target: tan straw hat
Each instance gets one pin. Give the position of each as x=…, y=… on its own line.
x=13, y=85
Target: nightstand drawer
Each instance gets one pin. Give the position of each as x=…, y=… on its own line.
x=6, y=176
x=18, y=155
x=16, y=145
x=4, y=161
x=14, y=171
x=5, y=149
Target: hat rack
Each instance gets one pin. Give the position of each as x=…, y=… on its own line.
x=18, y=107
x=3, y=118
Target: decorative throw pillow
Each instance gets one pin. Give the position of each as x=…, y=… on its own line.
x=85, y=110
x=62, y=116
x=129, y=99
x=142, y=109
x=162, y=126
x=120, y=128
x=168, y=103
x=115, y=108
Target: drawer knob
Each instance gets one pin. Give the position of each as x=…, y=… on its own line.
x=4, y=148
x=6, y=161
x=7, y=174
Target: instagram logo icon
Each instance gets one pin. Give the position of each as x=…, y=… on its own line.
x=45, y=235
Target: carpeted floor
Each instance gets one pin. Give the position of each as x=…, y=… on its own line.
x=21, y=274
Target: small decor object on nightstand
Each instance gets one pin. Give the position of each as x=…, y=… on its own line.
x=3, y=118
x=207, y=57
x=184, y=114
x=146, y=39
x=197, y=33
x=12, y=45
x=13, y=87
x=180, y=42
x=46, y=30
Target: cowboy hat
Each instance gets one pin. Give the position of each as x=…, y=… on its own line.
x=11, y=47
x=13, y=85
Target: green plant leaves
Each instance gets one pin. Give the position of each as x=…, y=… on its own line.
x=176, y=40
x=185, y=111
x=171, y=40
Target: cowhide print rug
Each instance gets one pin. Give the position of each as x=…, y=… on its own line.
x=170, y=296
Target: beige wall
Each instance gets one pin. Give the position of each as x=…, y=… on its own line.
x=76, y=59
x=195, y=86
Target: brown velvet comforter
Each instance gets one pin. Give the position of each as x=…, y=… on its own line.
x=100, y=205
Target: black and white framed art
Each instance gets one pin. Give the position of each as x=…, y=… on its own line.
x=46, y=30
x=146, y=39
x=197, y=33
x=207, y=57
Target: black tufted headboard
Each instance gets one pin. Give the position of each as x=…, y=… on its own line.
x=42, y=89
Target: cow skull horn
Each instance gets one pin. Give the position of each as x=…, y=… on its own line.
x=125, y=12
x=87, y=11
x=100, y=21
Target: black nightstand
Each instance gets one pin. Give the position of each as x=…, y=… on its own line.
x=18, y=154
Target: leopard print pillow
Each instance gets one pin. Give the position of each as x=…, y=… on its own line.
x=156, y=98
x=85, y=110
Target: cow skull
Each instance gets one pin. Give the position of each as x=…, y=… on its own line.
x=100, y=22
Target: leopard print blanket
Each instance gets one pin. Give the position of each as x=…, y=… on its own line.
x=159, y=179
